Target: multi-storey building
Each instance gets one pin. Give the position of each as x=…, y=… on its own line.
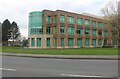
x=62, y=29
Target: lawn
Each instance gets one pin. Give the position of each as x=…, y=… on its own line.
x=78, y=51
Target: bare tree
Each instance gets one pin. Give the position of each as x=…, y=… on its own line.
x=110, y=12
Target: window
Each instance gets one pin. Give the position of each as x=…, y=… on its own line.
x=87, y=32
x=38, y=41
x=62, y=28
x=99, y=24
x=47, y=30
x=70, y=41
x=70, y=30
x=93, y=23
x=99, y=33
x=79, y=31
x=87, y=22
x=32, y=41
x=105, y=41
x=48, y=42
x=79, y=41
x=79, y=21
x=62, y=41
x=36, y=31
x=55, y=30
x=93, y=42
x=62, y=18
x=105, y=33
x=87, y=41
x=55, y=19
x=55, y=42
x=94, y=32
x=114, y=42
x=48, y=19
x=70, y=20
x=100, y=42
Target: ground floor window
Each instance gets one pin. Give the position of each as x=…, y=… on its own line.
x=38, y=41
x=93, y=42
x=70, y=41
x=62, y=41
x=32, y=41
x=48, y=42
x=79, y=41
x=87, y=41
x=100, y=42
x=55, y=42
x=105, y=41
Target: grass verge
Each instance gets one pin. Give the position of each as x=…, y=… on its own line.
x=79, y=51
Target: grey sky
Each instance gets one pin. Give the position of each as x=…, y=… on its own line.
x=18, y=10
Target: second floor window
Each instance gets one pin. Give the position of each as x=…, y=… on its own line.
x=70, y=30
x=87, y=22
x=62, y=29
x=48, y=19
x=62, y=18
x=70, y=20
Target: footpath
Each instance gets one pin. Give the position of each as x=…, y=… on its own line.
x=90, y=57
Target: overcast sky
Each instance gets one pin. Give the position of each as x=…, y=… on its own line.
x=18, y=10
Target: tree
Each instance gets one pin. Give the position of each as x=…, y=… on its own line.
x=110, y=12
x=14, y=31
x=5, y=31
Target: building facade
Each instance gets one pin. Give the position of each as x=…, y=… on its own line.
x=62, y=29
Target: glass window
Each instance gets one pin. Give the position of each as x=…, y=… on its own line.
x=87, y=32
x=48, y=30
x=62, y=41
x=55, y=42
x=93, y=23
x=79, y=31
x=87, y=41
x=99, y=24
x=87, y=22
x=79, y=41
x=48, y=42
x=99, y=33
x=94, y=32
x=48, y=19
x=105, y=41
x=105, y=33
x=93, y=42
x=70, y=41
x=70, y=20
x=70, y=30
x=62, y=18
x=38, y=41
x=55, y=19
x=105, y=24
x=62, y=28
x=79, y=21
x=114, y=42
x=100, y=42
x=55, y=30
x=36, y=31
x=32, y=41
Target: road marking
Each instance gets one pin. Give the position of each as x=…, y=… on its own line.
x=74, y=75
x=7, y=69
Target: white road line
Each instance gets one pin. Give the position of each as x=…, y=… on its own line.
x=7, y=69
x=74, y=75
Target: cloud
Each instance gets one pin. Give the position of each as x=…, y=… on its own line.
x=18, y=10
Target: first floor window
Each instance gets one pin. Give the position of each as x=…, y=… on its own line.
x=100, y=42
x=38, y=41
x=32, y=41
x=62, y=41
x=48, y=42
x=87, y=41
x=70, y=41
x=70, y=30
x=79, y=31
x=79, y=41
x=93, y=42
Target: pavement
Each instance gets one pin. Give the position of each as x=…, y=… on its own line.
x=91, y=57
x=13, y=66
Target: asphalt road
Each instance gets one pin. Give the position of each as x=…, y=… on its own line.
x=45, y=67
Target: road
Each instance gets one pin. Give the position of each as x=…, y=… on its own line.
x=45, y=67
